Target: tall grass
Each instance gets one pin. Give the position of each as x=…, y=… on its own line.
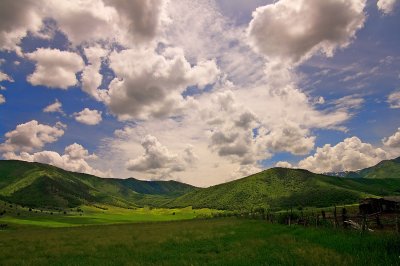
x=225, y=241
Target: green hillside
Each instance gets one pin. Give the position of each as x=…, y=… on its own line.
x=384, y=169
x=40, y=185
x=283, y=188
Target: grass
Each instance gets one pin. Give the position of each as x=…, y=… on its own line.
x=226, y=241
x=108, y=215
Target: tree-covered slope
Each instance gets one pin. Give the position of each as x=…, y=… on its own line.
x=384, y=169
x=283, y=188
x=41, y=185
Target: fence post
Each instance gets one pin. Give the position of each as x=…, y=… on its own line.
x=364, y=223
x=344, y=217
x=397, y=224
x=335, y=217
x=378, y=222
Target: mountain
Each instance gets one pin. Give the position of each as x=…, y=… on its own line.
x=338, y=174
x=41, y=185
x=284, y=188
x=384, y=169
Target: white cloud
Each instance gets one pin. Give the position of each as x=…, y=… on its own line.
x=153, y=88
x=394, y=100
x=158, y=160
x=291, y=31
x=350, y=155
x=88, y=117
x=16, y=19
x=2, y=99
x=5, y=77
x=91, y=78
x=212, y=35
x=289, y=137
x=386, y=6
x=55, y=68
x=319, y=100
x=74, y=159
x=83, y=21
x=243, y=171
x=139, y=19
x=30, y=136
x=76, y=152
x=284, y=164
x=393, y=142
x=349, y=102
x=55, y=107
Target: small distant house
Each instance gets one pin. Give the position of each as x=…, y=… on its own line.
x=377, y=205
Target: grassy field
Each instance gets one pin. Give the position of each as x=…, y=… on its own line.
x=89, y=215
x=226, y=241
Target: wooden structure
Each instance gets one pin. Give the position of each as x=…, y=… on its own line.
x=379, y=205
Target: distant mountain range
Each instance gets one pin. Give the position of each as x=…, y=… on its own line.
x=384, y=169
x=41, y=185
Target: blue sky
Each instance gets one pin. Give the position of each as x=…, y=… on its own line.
x=200, y=91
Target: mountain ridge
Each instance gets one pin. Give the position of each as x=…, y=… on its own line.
x=42, y=185
x=36, y=184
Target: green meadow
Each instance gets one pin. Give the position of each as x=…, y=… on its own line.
x=89, y=215
x=222, y=241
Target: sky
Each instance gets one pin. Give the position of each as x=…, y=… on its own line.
x=201, y=92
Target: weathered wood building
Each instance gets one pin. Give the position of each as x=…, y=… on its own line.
x=379, y=205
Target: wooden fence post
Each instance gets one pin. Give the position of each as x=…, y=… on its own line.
x=335, y=217
x=344, y=217
x=364, y=223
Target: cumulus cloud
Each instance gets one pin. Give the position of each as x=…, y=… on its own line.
x=289, y=137
x=55, y=68
x=291, y=31
x=5, y=77
x=30, y=136
x=243, y=171
x=16, y=19
x=76, y=152
x=231, y=133
x=88, y=117
x=140, y=18
x=158, y=160
x=394, y=100
x=154, y=87
x=83, y=21
x=386, y=6
x=91, y=78
x=74, y=159
x=284, y=164
x=55, y=107
x=392, y=142
x=350, y=155
x=2, y=99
